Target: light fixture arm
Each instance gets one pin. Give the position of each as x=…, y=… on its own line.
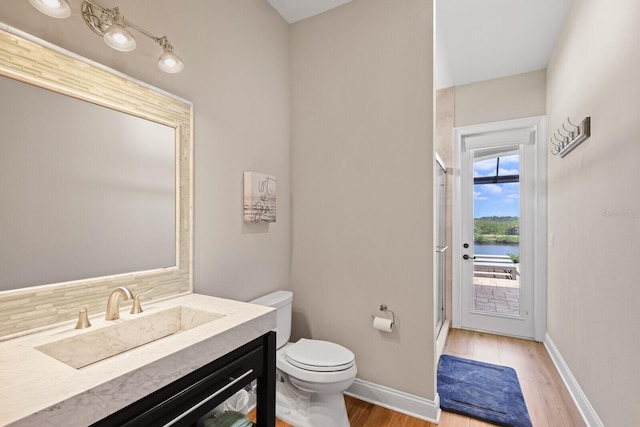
x=99, y=18
x=164, y=43
x=109, y=16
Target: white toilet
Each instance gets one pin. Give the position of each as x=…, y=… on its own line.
x=311, y=374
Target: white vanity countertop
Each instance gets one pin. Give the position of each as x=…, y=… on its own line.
x=36, y=389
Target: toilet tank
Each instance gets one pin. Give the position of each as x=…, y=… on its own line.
x=281, y=301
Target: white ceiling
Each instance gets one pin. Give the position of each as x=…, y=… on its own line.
x=296, y=10
x=475, y=39
x=485, y=39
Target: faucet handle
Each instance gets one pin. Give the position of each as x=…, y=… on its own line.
x=83, y=316
x=136, y=308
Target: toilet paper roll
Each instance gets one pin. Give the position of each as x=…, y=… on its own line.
x=382, y=324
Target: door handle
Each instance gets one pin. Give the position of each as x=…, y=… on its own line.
x=465, y=256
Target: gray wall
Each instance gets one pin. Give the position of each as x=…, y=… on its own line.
x=594, y=207
x=506, y=98
x=362, y=183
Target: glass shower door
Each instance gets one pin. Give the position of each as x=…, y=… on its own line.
x=441, y=247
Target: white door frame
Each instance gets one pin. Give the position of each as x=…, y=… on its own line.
x=505, y=131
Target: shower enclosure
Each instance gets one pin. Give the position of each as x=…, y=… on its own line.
x=441, y=247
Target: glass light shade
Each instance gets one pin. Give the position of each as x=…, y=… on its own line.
x=54, y=8
x=119, y=38
x=169, y=62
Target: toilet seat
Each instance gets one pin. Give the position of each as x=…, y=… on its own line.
x=319, y=377
x=319, y=356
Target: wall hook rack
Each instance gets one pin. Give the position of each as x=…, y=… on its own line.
x=570, y=138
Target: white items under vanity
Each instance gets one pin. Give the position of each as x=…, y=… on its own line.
x=38, y=389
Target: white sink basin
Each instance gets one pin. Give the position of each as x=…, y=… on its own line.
x=94, y=346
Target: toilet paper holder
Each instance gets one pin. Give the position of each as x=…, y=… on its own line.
x=383, y=307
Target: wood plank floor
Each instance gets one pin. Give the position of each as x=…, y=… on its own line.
x=548, y=401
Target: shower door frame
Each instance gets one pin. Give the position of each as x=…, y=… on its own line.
x=441, y=245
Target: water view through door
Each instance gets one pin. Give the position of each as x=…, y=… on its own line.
x=496, y=296
x=498, y=234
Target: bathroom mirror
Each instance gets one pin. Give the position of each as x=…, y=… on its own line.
x=91, y=189
x=95, y=181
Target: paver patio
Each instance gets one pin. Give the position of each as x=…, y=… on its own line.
x=495, y=295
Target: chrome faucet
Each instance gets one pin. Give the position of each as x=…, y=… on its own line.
x=113, y=304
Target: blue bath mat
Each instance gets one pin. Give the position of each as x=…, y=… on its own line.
x=487, y=392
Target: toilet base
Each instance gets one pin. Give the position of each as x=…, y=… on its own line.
x=304, y=409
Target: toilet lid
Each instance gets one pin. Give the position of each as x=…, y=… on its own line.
x=319, y=356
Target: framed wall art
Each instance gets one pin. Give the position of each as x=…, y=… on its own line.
x=259, y=197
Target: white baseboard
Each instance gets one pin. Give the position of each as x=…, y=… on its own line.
x=589, y=415
x=399, y=401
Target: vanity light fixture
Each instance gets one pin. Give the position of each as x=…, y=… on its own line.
x=169, y=62
x=116, y=35
x=53, y=8
x=113, y=27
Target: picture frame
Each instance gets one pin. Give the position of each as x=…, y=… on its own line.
x=259, y=197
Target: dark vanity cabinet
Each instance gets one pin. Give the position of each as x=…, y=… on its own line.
x=185, y=401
